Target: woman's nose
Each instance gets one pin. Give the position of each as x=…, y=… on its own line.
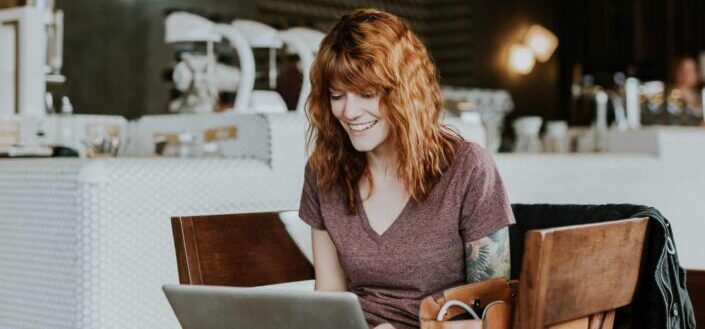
x=353, y=107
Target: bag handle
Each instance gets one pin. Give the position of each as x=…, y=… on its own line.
x=460, y=304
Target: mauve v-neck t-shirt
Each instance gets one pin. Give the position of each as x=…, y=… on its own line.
x=422, y=252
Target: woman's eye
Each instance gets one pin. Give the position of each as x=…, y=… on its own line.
x=336, y=97
x=367, y=95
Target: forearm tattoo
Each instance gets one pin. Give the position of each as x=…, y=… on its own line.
x=488, y=257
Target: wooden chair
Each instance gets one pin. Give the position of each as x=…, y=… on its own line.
x=242, y=250
x=576, y=276
x=572, y=277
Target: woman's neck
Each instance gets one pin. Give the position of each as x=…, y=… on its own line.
x=382, y=160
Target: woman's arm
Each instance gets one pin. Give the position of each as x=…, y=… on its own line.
x=329, y=274
x=488, y=257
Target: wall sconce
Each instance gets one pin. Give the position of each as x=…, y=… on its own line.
x=539, y=44
x=521, y=60
x=541, y=41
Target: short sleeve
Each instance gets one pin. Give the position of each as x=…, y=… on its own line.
x=310, y=207
x=485, y=205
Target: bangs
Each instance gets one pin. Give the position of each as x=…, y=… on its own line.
x=347, y=73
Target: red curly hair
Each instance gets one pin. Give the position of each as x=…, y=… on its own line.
x=371, y=51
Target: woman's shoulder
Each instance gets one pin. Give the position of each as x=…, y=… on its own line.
x=309, y=170
x=311, y=179
x=470, y=155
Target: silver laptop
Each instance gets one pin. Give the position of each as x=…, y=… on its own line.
x=215, y=307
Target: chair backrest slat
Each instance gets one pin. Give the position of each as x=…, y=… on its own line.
x=237, y=250
x=577, y=271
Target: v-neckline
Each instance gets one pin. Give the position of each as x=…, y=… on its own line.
x=362, y=215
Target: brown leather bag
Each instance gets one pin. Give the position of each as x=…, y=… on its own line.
x=492, y=301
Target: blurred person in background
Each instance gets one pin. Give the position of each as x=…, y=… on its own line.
x=685, y=92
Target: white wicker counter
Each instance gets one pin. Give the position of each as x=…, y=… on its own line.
x=88, y=243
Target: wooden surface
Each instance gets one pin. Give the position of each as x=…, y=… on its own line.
x=237, y=250
x=696, y=291
x=12, y=3
x=603, y=320
x=578, y=271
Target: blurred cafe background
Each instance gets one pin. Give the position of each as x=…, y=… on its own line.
x=116, y=115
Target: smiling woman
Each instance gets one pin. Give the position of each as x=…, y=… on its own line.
x=400, y=206
x=371, y=66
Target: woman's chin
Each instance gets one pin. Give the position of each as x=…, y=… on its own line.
x=362, y=147
x=363, y=144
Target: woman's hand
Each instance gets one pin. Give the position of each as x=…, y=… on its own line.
x=385, y=326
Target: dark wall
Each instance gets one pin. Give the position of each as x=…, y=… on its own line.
x=105, y=55
x=445, y=26
x=115, y=55
x=638, y=37
x=598, y=37
x=452, y=41
x=498, y=24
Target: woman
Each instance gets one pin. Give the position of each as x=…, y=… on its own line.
x=685, y=91
x=400, y=206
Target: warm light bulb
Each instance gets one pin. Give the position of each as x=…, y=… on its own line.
x=541, y=41
x=521, y=60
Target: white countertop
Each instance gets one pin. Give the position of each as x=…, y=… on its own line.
x=669, y=175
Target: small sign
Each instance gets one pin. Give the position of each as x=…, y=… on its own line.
x=9, y=132
x=220, y=134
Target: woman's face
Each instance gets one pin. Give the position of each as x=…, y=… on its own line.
x=687, y=74
x=360, y=116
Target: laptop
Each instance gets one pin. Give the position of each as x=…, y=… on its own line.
x=216, y=307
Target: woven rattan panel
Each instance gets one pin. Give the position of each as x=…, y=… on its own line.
x=38, y=227
x=88, y=243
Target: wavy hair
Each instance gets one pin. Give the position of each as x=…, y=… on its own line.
x=371, y=51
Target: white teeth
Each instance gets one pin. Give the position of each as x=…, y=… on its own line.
x=362, y=126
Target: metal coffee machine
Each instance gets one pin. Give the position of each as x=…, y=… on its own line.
x=22, y=81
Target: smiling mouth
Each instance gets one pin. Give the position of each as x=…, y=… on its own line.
x=362, y=126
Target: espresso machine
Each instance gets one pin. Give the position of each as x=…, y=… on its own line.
x=26, y=65
x=304, y=42
x=31, y=57
x=200, y=77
